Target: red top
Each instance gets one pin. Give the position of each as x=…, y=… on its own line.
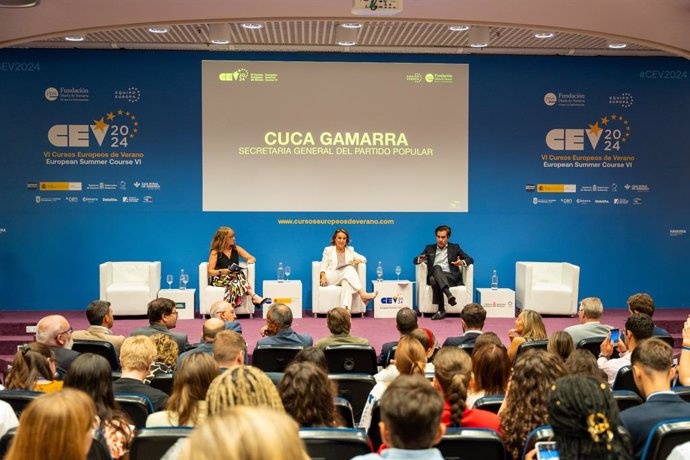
x=473, y=418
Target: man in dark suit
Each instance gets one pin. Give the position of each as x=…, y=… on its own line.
x=162, y=315
x=405, y=322
x=136, y=356
x=277, y=331
x=55, y=331
x=472, y=318
x=443, y=261
x=652, y=366
x=643, y=303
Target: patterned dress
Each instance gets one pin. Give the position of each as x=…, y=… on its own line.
x=235, y=283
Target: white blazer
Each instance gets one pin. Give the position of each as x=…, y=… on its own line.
x=329, y=261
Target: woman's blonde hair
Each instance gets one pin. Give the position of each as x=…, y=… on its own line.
x=137, y=352
x=410, y=356
x=166, y=349
x=55, y=422
x=258, y=433
x=220, y=238
x=533, y=326
x=242, y=386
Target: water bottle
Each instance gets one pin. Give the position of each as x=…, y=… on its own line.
x=494, y=280
x=183, y=285
x=281, y=272
x=379, y=271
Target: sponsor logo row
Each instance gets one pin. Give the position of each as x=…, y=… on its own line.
x=78, y=186
x=584, y=201
x=573, y=188
x=92, y=199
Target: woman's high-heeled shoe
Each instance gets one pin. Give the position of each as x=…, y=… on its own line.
x=259, y=301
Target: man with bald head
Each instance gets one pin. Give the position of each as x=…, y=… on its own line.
x=277, y=331
x=225, y=311
x=55, y=331
x=211, y=327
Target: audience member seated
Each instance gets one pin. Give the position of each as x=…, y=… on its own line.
x=225, y=311
x=309, y=396
x=187, y=402
x=643, y=303
x=472, y=319
x=33, y=368
x=55, y=331
x=8, y=419
x=410, y=358
x=560, y=344
x=452, y=369
x=684, y=362
x=652, y=367
x=590, y=325
x=339, y=323
x=490, y=372
x=488, y=338
x=92, y=374
x=529, y=326
x=228, y=349
x=277, y=331
x=242, y=386
x=208, y=335
x=410, y=420
x=312, y=355
x=428, y=341
x=637, y=328
x=166, y=357
x=55, y=425
x=582, y=362
x=136, y=356
x=257, y=433
x=99, y=313
x=584, y=418
x=405, y=322
x=162, y=315
x=524, y=407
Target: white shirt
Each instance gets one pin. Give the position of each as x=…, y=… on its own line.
x=441, y=258
x=612, y=366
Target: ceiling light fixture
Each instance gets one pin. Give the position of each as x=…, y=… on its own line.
x=479, y=37
x=616, y=45
x=346, y=36
x=252, y=25
x=74, y=38
x=351, y=25
x=458, y=28
x=159, y=29
x=542, y=35
x=219, y=33
x=19, y=3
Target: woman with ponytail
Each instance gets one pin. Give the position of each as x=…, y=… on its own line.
x=452, y=370
x=33, y=368
x=410, y=359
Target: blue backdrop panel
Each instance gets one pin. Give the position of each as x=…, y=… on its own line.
x=624, y=221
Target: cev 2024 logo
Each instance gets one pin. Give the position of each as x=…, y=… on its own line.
x=614, y=128
x=122, y=129
x=395, y=300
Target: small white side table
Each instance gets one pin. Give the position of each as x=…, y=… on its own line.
x=498, y=303
x=287, y=292
x=393, y=295
x=183, y=298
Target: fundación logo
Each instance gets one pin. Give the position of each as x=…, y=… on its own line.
x=51, y=94
x=550, y=99
x=565, y=99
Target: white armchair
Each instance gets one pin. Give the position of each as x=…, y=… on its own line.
x=323, y=298
x=547, y=287
x=463, y=294
x=129, y=286
x=208, y=294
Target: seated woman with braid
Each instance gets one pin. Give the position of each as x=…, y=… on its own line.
x=452, y=370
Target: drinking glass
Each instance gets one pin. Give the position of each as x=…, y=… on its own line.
x=287, y=273
x=379, y=272
x=398, y=271
x=169, y=279
x=186, y=279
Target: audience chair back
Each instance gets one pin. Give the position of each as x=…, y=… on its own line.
x=355, y=389
x=390, y=357
x=626, y=399
x=490, y=403
x=468, y=347
x=592, y=345
x=19, y=399
x=99, y=347
x=273, y=359
x=625, y=381
x=683, y=392
x=482, y=443
x=664, y=437
x=6, y=441
x=138, y=407
x=373, y=432
x=533, y=345
x=163, y=382
x=334, y=443
x=540, y=433
x=351, y=359
x=275, y=377
x=153, y=443
x=345, y=410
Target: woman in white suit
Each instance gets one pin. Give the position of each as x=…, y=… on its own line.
x=339, y=254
